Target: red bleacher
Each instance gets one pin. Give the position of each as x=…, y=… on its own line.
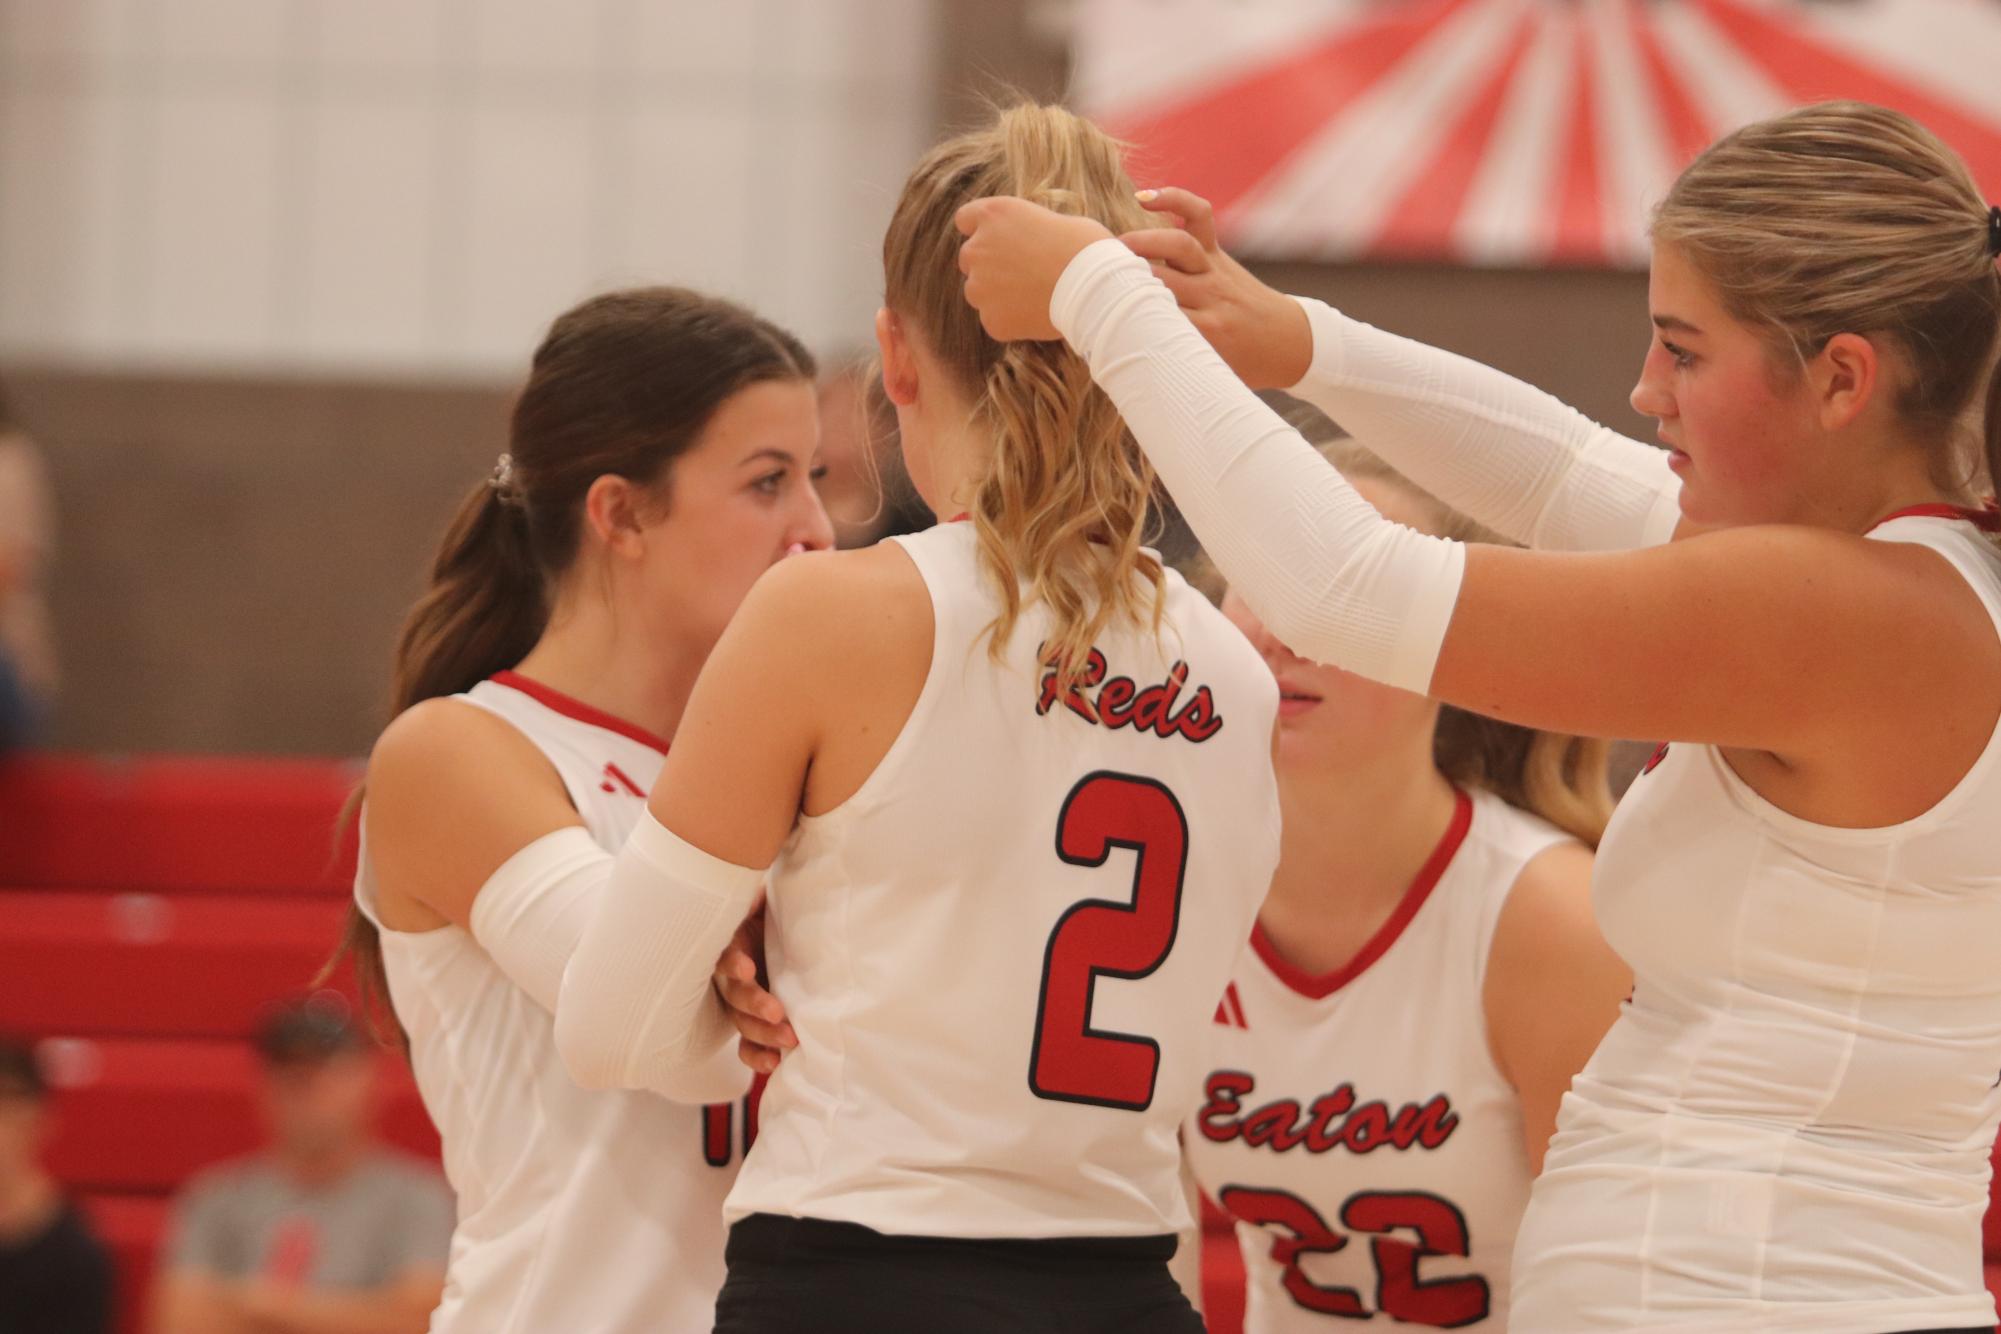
x=151, y=910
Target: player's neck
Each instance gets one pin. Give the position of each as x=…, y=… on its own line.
x=960, y=455
x=322, y=1165
x=588, y=655
x=1354, y=842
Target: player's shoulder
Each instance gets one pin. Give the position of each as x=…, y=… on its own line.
x=447, y=751
x=832, y=606
x=442, y=737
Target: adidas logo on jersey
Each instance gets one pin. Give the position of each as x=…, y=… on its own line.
x=1230, y=1010
x=615, y=779
x=1334, y=1121
x=1121, y=703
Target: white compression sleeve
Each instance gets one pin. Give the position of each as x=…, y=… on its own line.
x=637, y=1009
x=1502, y=452
x=1333, y=579
x=530, y=916
x=530, y=913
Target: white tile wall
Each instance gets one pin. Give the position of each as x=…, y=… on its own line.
x=526, y=225
x=688, y=197
x=205, y=34
x=372, y=201
x=421, y=185
x=714, y=42
x=68, y=31
x=536, y=36
x=378, y=35
x=212, y=235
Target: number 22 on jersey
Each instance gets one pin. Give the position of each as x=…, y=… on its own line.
x=1071, y=1061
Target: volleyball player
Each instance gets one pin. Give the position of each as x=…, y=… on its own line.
x=1423, y=981
x=660, y=459
x=1010, y=783
x=1788, y=1126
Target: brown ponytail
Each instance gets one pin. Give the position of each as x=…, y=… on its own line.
x=1991, y=421
x=623, y=385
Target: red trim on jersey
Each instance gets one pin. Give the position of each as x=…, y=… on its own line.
x=576, y=708
x=1321, y=986
x=1987, y=518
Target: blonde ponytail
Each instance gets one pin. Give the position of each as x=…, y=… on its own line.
x=1062, y=513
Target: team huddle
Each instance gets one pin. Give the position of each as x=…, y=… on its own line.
x=797, y=940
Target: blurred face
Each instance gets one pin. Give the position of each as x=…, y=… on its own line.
x=741, y=499
x=23, y=1127
x=851, y=488
x=1741, y=435
x=1327, y=716
x=315, y=1107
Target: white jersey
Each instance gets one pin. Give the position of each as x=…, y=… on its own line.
x=1001, y=954
x=577, y=1210
x=1788, y=1127
x=1355, y=1124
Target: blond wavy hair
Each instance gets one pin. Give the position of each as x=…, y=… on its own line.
x=1843, y=217
x=1062, y=512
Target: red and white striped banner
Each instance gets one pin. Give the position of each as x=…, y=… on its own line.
x=1503, y=132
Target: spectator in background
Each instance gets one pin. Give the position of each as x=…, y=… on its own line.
x=55, y=1277
x=325, y=1232
x=864, y=487
x=27, y=528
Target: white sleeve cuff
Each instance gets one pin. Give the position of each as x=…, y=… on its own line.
x=637, y=1009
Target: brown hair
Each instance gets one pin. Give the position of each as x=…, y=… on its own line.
x=1064, y=506
x=622, y=385
x=1844, y=217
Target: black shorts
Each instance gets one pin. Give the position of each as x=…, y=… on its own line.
x=809, y=1276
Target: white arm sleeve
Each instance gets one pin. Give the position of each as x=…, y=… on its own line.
x=530, y=913
x=1333, y=579
x=636, y=1008
x=1502, y=452
x=530, y=916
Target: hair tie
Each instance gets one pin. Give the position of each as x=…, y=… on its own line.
x=1994, y=231
x=501, y=479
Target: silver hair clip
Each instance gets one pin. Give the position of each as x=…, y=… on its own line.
x=501, y=479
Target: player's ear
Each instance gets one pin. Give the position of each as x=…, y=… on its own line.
x=899, y=360
x=613, y=511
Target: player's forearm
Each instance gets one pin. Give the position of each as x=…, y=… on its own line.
x=637, y=1008
x=1330, y=577
x=1503, y=452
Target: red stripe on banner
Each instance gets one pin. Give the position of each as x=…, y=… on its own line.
x=1223, y=142
x=1811, y=70
x=1689, y=131
x=1579, y=236
x=1421, y=224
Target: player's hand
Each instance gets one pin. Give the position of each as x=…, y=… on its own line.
x=763, y=1035
x=1013, y=254
x=1261, y=332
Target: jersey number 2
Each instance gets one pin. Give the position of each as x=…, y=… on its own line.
x=1072, y=1061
